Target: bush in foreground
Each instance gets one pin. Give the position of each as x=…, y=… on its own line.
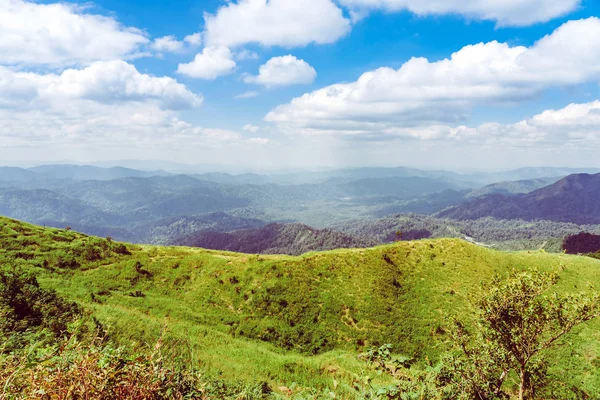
x=519, y=321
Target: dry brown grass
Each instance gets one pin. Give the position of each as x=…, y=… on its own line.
x=82, y=370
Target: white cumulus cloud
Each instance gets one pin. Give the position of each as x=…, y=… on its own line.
x=210, y=64
x=194, y=39
x=167, y=44
x=106, y=104
x=282, y=71
x=251, y=128
x=170, y=44
x=286, y=23
x=575, y=123
x=62, y=34
x=422, y=93
x=246, y=55
x=107, y=82
x=506, y=13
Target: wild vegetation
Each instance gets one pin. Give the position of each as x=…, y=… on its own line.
x=52, y=350
x=582, y=243
x=498, y=234
x=506, y=355
x=291, y=325
x=292, y=239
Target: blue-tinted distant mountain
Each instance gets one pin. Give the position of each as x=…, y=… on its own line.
x=162, y=205
x=229, y=179
x=513, y=187
x=428, y=204
x=334, y=176
x=117, y=207
x=54, y=176
x=14, y=174
x=527, y=174
x=41, y=204
x=397, y=187
x=341, y=176
x=572, y=199
x=154, y=197
x=88, y=172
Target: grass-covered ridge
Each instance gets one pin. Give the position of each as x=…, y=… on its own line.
x=284, y=319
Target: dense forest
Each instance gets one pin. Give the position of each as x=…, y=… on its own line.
x=293, y=239
x=500, y=234
x=582, y=243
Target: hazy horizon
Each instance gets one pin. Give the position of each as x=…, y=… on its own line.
x=174, y=167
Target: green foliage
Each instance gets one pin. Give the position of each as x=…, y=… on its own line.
x=297, y=322
x=85, y=365
x=520, y=320
x=48, y=352
x=49, y=248
x=293, y=239
x=499, y=234
x=383, y=359
x=26, y=307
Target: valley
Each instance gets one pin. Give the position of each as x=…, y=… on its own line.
x=370, y=205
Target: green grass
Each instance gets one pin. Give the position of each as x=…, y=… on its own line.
x=289, y=320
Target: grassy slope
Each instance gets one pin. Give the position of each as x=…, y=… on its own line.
x=294, y=319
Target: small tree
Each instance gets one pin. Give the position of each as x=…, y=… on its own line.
x=519, y=320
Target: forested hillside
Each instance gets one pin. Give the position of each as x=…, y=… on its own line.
x=292, y=239
x=514, y=187
x=572, y=199
x=499, y=234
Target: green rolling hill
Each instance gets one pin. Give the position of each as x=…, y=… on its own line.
x=295, y=322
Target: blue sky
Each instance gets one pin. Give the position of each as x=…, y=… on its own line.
x=341, y=82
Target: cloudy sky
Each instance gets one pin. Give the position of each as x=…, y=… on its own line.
x=266, y=84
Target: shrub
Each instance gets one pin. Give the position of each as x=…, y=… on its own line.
x=582, y=243
x=91, y=367
x=24, y=305
x=120, y=248
x=519, y=321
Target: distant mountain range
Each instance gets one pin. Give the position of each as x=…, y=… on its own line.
x=142, y=206
x=575, y=198
x=50, y=176
x=513, y=187
x=463, y=180
x=159, y=206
